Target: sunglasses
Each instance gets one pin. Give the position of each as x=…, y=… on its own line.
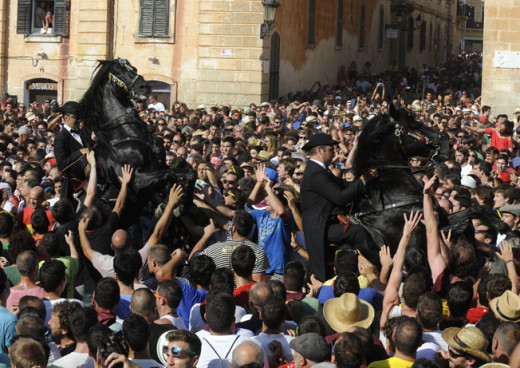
x=455, y=355
x=225, y=181
x=157, y=296
x=175, y=141
x=175, y=351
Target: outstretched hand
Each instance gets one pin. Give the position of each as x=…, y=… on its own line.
x=176, y=194
x=127, y=171
x=428, y=185
x=410, y=223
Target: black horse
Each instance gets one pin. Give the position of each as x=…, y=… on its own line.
x=386, y=144
x=121, y=137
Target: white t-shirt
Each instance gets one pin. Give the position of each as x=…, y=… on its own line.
x=216, y=351
x=465, y=170
x=435, y=337
x=158, y=107
x=78, y=360
x=49, y=304
x=264, y=340
x=176, y=321
x=197, y=323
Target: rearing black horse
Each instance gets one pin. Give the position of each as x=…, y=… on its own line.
x=108, y=110
x=386, y=144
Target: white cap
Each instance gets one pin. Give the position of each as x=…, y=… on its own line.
x=469, y=182
x=5, y=187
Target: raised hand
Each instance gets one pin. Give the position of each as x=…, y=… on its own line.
x=411, y=223
x=127, y=171
x=176, y=194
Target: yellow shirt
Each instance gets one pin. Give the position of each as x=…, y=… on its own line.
x=363, y=281
x=391, y=363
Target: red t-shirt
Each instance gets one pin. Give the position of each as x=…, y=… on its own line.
x=27, y=212
x=499, y=142
x=241, y=295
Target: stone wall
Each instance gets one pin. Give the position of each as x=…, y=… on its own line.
x=501, y=79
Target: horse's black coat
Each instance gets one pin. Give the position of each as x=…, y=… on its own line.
x=380, y=147
x=107, y=110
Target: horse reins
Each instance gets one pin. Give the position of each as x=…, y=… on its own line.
x=76, y=161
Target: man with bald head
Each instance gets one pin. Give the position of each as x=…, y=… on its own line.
x=248, y=354
x=120, y=241
x=258, y=295
x=143, y=304
x=35, y=201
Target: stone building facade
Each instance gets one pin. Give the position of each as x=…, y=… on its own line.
x=210, y=51
x=501, y=56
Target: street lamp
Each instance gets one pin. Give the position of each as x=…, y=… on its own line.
x=270, y=7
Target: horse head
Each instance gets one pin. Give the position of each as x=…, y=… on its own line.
x=126, y=81
x=419, y=139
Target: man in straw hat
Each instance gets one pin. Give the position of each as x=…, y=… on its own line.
x=348, y=311
x=324, y=197
x=466, y=347
x=506, y=307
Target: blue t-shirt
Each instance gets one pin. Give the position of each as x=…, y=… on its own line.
x=369, y=295
x=190, y=296
x=7, y=331
x=274, y=235
x=123, y=309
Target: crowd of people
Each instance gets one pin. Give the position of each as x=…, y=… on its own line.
x=261, y=267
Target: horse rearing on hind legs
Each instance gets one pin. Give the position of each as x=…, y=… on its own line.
x=108, y=110
x=386, y=143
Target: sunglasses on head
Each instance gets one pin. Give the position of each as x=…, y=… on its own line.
x=175, y=351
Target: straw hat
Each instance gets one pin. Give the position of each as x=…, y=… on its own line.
x=30, y=115
x=469, y=340
x=263, y=156
x=506, y=306
x=346, y=311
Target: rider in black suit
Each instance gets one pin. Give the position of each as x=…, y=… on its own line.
x=325, y=196
x=70, y=146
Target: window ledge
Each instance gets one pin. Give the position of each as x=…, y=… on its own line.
x=34, y=38
x=156, y=40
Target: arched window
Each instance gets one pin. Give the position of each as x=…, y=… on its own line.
x=162, y=90
x=40, y=89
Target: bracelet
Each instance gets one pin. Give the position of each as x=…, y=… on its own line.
x=510, y=260
x=297, y=248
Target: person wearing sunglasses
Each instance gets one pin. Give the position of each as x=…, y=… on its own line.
x=182, y=349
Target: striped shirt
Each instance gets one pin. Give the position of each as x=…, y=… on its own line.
x=221, y=254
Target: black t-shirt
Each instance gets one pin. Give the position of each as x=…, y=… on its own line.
x=156, y=332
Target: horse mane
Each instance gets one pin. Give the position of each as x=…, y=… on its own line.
x=92, y=101
x=374, y=134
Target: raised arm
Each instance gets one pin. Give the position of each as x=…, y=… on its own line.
x=435, y=259
x=291, y=203
x=167, y=270
x=121, y=198
x=174, y=198
x=392, y=288
x=260, y=178
x=506, y=255
x=85, y=243
x=69, y=238
x=92, y=180
x=209, y=230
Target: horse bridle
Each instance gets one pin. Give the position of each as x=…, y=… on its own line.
x=129, y=88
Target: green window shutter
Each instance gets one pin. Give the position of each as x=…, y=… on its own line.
x=161, y=18
x=60, y=17
x=146, y=21
x=23, y=22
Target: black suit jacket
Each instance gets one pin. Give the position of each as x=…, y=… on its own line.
x=66, y=151
x=323, y=197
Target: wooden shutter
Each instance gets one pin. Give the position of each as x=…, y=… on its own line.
x=146, y=21
x=60, y=17
x=23, y=22
x=161, y=14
